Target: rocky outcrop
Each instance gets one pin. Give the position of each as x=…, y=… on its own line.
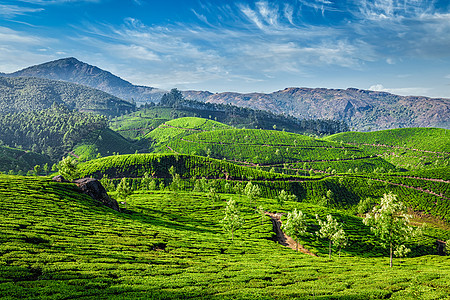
x=95, y=189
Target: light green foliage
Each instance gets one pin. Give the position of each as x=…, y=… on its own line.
x=124, y=190
x=283, y=196
x=332, y=231
x=232, y=220
x=295, y=225
x=252, y=191
x=390, y=223
x=68, y=168
x=260, y=210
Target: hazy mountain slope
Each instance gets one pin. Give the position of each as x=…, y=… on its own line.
x=30, y=94
x=73, y=70
x=361, y=109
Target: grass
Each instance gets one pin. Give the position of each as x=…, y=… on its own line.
x=60, y=244
x=20, y=160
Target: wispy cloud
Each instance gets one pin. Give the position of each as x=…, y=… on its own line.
x=10, y=11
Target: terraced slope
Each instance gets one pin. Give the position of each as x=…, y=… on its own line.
x=56, y=243
x=425, y=195
x=278, y=149
x=178, y=128
x=409, y=148
x=157, y=165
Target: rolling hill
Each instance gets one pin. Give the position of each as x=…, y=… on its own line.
x=408, y=148
x=25, y=94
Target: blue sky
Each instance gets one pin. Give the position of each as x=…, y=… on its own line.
x=397, y=46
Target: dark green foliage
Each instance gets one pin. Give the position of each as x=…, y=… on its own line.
x=157, y=165
x=53, y=131
x=30, y=94
x=20, y=160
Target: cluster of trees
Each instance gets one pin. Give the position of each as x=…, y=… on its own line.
x=235, y=115
x=52, y=132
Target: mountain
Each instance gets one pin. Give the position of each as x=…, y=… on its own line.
x=360, y=109
x=25, y=94
x=72, y=70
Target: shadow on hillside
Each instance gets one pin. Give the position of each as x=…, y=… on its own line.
x=160, y=218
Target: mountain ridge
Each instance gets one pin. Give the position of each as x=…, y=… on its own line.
x=361, y=109
x=72, y=70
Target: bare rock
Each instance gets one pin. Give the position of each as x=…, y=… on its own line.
x=95, y=189
x=59, y=178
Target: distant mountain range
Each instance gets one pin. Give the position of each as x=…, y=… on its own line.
x=360, y=109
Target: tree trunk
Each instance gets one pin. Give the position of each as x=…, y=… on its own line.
x=232, y=234
x=296, y=245
x=329, y=249
x=390, y=256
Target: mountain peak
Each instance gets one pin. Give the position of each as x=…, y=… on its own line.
x=73, y=70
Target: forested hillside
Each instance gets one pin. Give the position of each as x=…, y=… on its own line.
x=27, y=94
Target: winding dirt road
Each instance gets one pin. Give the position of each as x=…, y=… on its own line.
x=282, y=238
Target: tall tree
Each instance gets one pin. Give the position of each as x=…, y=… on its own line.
x=390, y=223
x=232, y=219
x=124, y=190
x=333, y=231
x=295, y=225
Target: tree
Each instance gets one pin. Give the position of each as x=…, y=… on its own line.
x=284, y=196
x=252, y=191
x=232, y=220
x=295, y=225
x=390, y=223
x=260, y=210
x=37, y=169
x=333, y=231
x=68, y=168
x=124, y=190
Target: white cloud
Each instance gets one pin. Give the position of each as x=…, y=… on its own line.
x=135, y=51
x=10, y=11
x=408, y=91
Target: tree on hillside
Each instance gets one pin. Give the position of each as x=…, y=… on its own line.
x=252, y=191
x=232, y=220
x=172, y=98
x=295, y=225
x=68, y=168
x=333, y=231
x=124, y=190
x=390, y=223
x=283, y=196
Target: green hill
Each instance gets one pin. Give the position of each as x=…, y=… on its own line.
x=290, y=152
x=106, y=142
x=20, y=160
x=27, y=94
x=56, y=243
x=178, y=128
x=409, y=148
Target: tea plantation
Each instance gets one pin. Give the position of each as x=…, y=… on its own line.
x=56, y=243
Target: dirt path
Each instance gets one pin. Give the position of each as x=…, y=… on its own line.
x=282, y=238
